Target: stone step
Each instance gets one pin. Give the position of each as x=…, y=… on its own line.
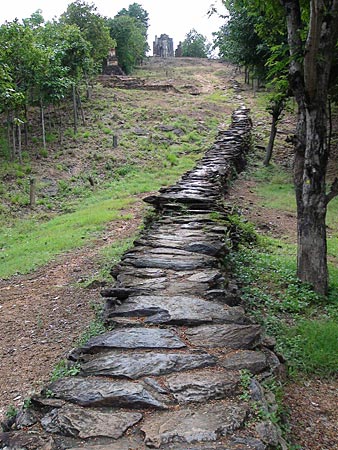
x=133, y=338
x=85, y=423
x=179, y=310
x=97, y=392
x=194, y=424
x=134, y=365
x=227, y=335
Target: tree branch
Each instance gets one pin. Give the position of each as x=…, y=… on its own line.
x=333, y=191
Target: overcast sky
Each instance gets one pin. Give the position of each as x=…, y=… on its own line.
x=173, y=17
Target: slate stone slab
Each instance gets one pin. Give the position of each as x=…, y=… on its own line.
x=99, y=392
x=88, y=423
x=174, y=262
x=254, y=361
x=124, y=443
x=179, y=310
x=132, y=338
x=227, y=335
x=200, y=386
x=190, y=425
x=135, y=364
x=22, y=440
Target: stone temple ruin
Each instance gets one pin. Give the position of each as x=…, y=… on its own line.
x=110, y=66
x=163, y=46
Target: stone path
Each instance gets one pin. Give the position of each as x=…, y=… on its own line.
x=169, y=374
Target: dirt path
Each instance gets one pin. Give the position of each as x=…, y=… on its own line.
x=42, y=314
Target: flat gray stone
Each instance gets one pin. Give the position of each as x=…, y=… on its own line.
x=174, y=262
x=124, y=443
x=192, y=425
x=135, y=364
x=268, y=433
x=204, y=385
x=102, y=392
x=21, y=440
x=88, y=423
x=228, y=335
x=132, y=338
x=177, y=310
x=254, y=361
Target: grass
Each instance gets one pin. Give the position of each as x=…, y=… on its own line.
x=108, y=257
x=310, y=347
x=28, y=244
x=304, y=323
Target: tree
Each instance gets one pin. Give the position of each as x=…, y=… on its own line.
x=311, y=40
x=277, y=104
x=130, y=49
x=137, y=12
x=312, y=49
x=141, y=17
x=93, y=28
x=239, y=42
x=195, y=45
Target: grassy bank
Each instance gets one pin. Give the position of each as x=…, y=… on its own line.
x=304, y=323
x=30, y=243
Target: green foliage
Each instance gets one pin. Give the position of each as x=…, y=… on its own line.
x=310, y=347
x=95, y=328
x=93, y=28
x=239, y=42
x=129, y=30
x=64, y=369
x=240, y=231
x=27, y=403
x=195, y=45
x=245, y=381
x=11, y=412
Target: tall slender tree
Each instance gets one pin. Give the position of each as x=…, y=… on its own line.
x=312, y=50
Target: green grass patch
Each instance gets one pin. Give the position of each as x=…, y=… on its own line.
x=275, y=188
x=28, y=244
x=310, y=347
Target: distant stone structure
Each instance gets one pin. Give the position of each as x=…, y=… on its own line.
x=111, y=65
x=178, y=51
x=163, y=46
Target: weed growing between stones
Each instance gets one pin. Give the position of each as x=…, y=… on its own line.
x=11, y=412
x=64, y=369
x=240, y=231
x=245, y=381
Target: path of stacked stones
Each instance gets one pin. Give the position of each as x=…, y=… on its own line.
x=168, y=375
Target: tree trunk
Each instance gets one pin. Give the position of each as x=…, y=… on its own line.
x=13, y=142
x=25, y=126
x=310, y=170
x=79, y=103
x=9, y=141
x=269, y=148
x=43, y=125
x=74, y=108
x=309, y=80
x=19, y=144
